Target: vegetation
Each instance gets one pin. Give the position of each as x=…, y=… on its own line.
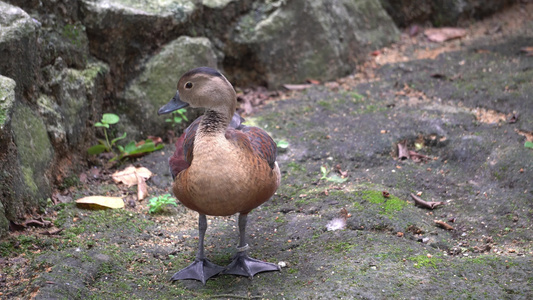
x=177, y=117
x=129, y=150
x=157, y=204
x=333, y=178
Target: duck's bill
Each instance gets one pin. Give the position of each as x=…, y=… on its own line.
x=174, y=104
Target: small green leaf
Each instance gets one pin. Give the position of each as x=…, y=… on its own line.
x=96, y=149
x=177, y=119
x=528, y=144
x=110, y=118
x=282, y=144
x=336, y=178
x=98, y=124
x=324, y=172
x=113, y=141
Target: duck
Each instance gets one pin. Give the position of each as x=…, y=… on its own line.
x=221, y=167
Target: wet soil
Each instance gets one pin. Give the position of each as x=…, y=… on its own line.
x=464, y=105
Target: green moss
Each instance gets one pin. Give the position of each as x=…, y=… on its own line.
x=27, y=173
x=92, y=71
x=340, y=247
x=388, y=206
x=7, y=98
x=74, y=34
x=423, y=260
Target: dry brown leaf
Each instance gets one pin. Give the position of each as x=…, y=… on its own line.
x=443, y=34
x=100, y=202
x=128, y=176
x=527, y=50
x=297, y=87
x=142, y=190
x=443, y=224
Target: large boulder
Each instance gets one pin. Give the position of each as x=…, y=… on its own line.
x=156, y=85
x=441, y=12
x=19, y=57
x=283, y=42
x=122, y=33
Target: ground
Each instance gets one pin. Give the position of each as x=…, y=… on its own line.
x=464, y=107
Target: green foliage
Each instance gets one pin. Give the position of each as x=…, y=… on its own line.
x=423, y=260
x=528, y=144
x=157, y=204
x=106, y=145
x=131, y=149
x=177, y=117
x=283, y=144
x=333, y=178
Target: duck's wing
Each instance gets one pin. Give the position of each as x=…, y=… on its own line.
x=182, y=157
x=262, y=144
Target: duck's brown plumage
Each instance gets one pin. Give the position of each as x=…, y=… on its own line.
x=221, y=167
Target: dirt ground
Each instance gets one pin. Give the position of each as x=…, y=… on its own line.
x=343, y=224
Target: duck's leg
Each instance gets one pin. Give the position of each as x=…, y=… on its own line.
x=242, y=264
x=201, y=269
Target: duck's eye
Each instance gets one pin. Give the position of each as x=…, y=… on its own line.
x=188, y=85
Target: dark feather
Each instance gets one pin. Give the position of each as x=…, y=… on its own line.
x=262, y=144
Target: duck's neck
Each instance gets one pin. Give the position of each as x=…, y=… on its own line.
x=214, y=122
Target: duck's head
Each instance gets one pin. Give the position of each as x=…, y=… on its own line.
x=203, y=87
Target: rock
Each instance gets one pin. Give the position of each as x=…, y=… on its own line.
x=157, y=84
x=288, y=42
x=441, y=13
x=35, y=153
x=122, y=32
x=18, y=39
x=7, y=100
x=73, y=100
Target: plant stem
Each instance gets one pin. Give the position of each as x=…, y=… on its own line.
x=107, y=145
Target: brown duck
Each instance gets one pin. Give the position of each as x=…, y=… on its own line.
x=220, y=167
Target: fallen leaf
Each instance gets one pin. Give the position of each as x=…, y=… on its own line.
x=385, y=194
x=443, y=34
x=443, y=224
x=312, y=81
x=142, y=190
x=403, y=152
x=100, y=202
x=128, y=176
x=344, y=213
x=527, y=50
x=297, y=87
x=414, y=30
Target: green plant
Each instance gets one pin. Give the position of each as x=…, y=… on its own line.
x=132, y=149
x=106, y=145
x=156, y=204
x=528, y=144
x=283, y=144
x=333, y=178
x=177, y=117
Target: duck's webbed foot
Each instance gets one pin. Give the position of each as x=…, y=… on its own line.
x=200, y=269
x=244, y=265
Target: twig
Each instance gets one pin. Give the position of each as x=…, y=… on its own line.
x=425, y=204
x=54, y=232
x=418, y=157
x=443, y=224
